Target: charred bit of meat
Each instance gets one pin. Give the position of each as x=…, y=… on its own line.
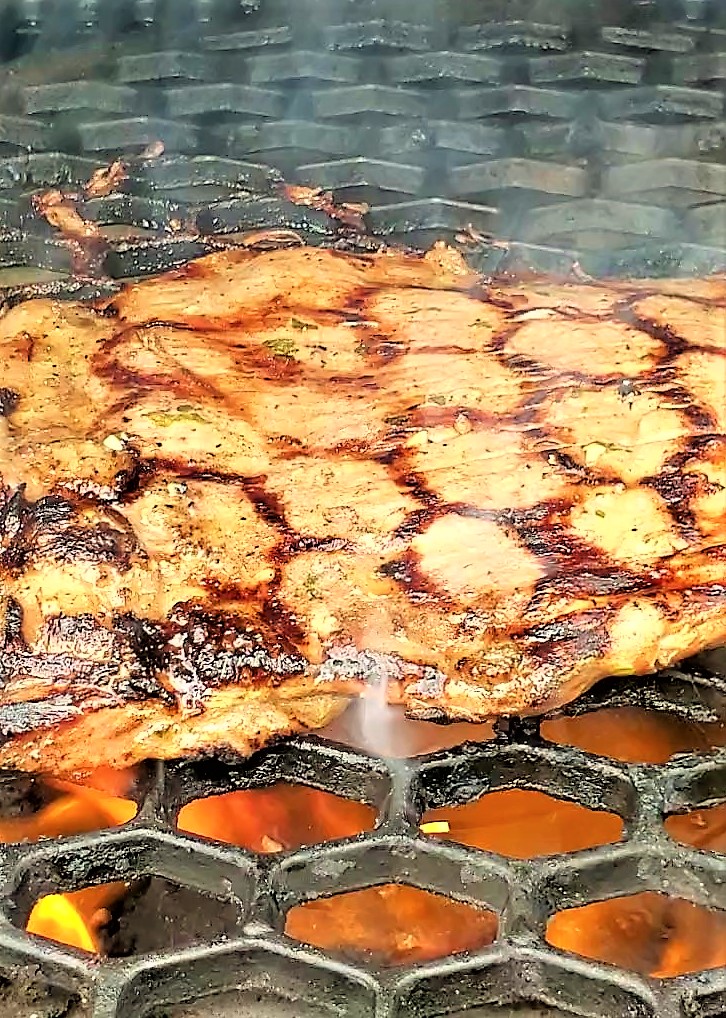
x=105, y=180
x=349, y=213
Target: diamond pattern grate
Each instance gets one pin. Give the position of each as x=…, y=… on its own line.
x=590, y=132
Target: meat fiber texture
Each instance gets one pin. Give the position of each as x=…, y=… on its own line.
x=241, y=493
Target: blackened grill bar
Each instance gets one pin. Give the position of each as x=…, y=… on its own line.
x=585, y=135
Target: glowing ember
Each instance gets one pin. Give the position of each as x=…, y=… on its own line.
x=647, y=933
x=272, y=819
x=635, y=735
x=80, y=807
x=392, y=925
x=523, y=824
x=703, y=828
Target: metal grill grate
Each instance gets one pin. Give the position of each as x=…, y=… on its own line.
x=519, y=966
x=589, y=131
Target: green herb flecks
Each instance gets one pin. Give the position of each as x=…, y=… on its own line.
x=310, y=583
x=281, y=346
x=165, y=419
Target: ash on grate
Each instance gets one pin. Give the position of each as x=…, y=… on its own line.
x=158, y=914
x=244, y=1004
x=513, y=1011
x=24, y=994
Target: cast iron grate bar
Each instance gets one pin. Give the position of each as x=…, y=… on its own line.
x=524, y=893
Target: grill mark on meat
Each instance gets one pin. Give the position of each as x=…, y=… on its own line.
x=417, y=521
x=666, y=334
x=242, y=635
x=421, y=418
x=577, y=569
x=271, y=509
x=584, y=635
x=184, y=383
x=415, y=583
x=678, y=489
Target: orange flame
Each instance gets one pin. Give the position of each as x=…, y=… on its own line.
x=76, y=918
x=649, y=933
x=392, y=924
x=277, y=818
x=398, y=924
x=523, y=824
x=91, y=803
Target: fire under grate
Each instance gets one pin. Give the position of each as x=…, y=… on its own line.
x=251, y=951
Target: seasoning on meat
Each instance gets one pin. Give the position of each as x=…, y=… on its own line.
x=245, y=490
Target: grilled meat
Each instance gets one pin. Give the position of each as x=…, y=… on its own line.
x=239, y=493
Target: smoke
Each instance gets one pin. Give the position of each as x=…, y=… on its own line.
x=574, y=130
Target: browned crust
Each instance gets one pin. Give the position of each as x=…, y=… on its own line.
x=243, y=492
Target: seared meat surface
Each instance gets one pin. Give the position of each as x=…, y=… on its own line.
x=239, y=493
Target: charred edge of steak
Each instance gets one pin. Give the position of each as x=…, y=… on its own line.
x=88, y=663
x=52, y=528
x=211, y=649
x=26, y=717
x=9, y=400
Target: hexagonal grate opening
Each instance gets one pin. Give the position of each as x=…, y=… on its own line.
x=275, y=819
x=35, y=808
x=120, y=920
x=634, y=734
x=523, y=824
x=392, y=925
x=701, y=828
x=649, y=933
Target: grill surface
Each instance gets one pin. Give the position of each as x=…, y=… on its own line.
x=576, y=131
x=519, y=966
